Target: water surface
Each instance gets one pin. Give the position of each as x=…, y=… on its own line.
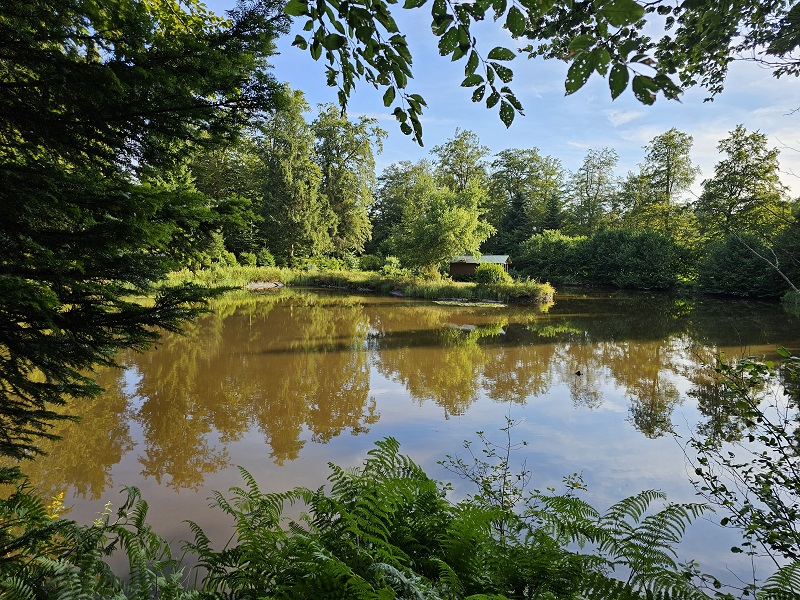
x=282, y=384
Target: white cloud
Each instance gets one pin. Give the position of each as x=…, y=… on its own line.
x=620, y=117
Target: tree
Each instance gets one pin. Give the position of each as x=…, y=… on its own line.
x=669, y=172
x=345, y=152
x=613, y=38
x=460, y=161
x=390, y=198
x=228, y=175
x=298, y=219
x=746, y=194
x=96, y=97
x=437, y=224
x=523, y=188
x=591, y=189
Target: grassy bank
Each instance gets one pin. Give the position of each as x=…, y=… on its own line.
x=368, y=281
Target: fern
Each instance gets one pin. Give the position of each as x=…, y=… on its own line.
x=784, y=584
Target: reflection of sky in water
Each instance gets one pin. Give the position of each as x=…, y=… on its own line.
x=233, y=372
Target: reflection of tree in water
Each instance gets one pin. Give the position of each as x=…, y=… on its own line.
x=516, y=372
x=88, y=449
x=438, y=353
x=176, y=415
x=315, y=374
x=646, y=371
x=298, y=366
x=579, y=365
x=722, y=419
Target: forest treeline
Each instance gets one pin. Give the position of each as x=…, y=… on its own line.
x=297, y=192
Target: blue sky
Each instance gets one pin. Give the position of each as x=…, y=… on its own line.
x=562, y=126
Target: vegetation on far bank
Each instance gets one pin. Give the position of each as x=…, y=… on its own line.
x=401, y=284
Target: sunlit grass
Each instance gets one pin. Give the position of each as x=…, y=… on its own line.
x=408, y=286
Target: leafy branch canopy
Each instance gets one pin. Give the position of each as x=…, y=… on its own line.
x=360, y=39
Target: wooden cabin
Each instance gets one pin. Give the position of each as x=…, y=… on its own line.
x=465, y=265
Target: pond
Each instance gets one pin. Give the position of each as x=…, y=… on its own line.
x=282, y=384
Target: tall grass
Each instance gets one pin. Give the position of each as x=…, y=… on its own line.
x=369, y=281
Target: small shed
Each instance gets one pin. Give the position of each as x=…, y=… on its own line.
x=465, y=265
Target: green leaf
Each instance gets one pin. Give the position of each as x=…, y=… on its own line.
x=441, y=23
x=316, y=50
x=506, y=113
x=477, y=95
x=516, y=21
x=493, y=99
x=388, y=97
x=578, y=73
x=449, y=41
x=601, y=59
x=643, y=89
x=499, y=7
x=784, y=352
x=414, y=3
x=621, y=12
x=504, y=73
x=300, y=42
x=472, y=80
x=500, y=53
x=514, y=102
x=472, y=63
x=581, y=42
x=406, y=128
x=618, y=79
x=333, y=41
x=296, y=8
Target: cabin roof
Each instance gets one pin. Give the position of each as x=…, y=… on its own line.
x=498, y=259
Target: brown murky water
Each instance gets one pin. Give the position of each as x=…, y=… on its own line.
x=282, y=384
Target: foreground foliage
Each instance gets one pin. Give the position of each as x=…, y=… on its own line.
x=101, y=102
x=383, y=530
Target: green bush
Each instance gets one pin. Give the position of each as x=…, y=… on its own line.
x=791, y=303
x=264, y=258
x=370, y=262
x=627, y=258
x=551, y=256
x=487, y=273
x=620, y=257
x=731, y=268
x=391, y=266
x=227, y=259
x=247, y=259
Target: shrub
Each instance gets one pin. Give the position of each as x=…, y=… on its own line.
x=391, y=266
x=228, y=259
x=488, y=273
x=730, y=267
x=630, y=259
x=248, y=259
x=551, y=256
x=264, y=258
x=370, y=262
x=791, y=303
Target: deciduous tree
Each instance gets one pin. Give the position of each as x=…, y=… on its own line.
x=745, y=195
x=523, y=186
x=613, y=38
x=591, y=189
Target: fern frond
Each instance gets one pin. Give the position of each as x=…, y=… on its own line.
x=784, y=584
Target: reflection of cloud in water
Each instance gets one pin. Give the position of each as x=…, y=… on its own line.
x=273, y=384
